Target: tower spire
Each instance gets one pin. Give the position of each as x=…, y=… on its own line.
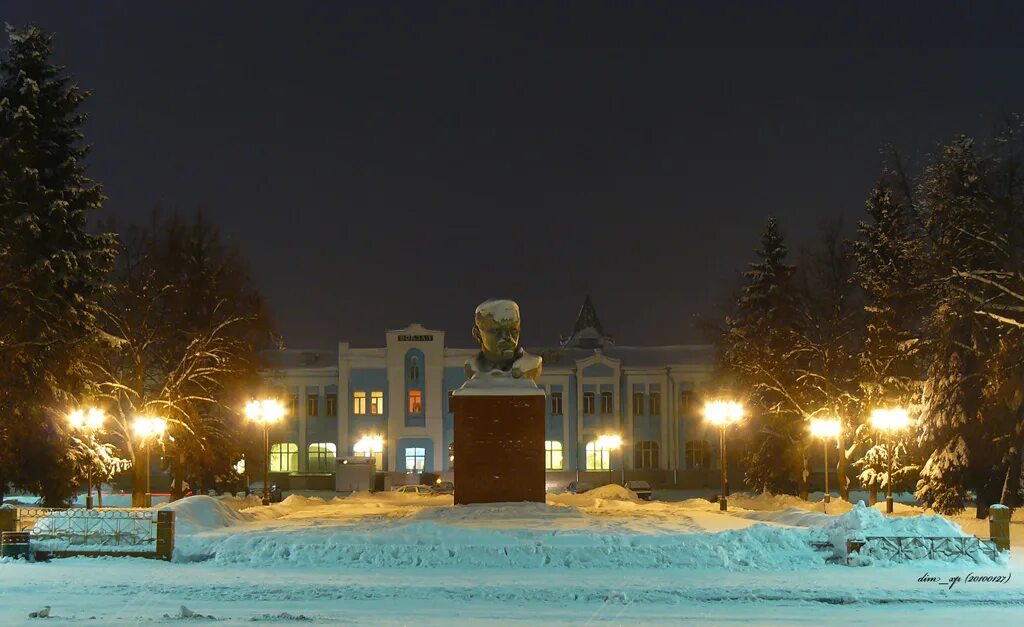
x=588, y=331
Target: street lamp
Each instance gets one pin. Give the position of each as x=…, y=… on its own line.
x=265, y=412
x=89, y=421
x=148, y=429
x=826, y=429
x=722, y=414
x=889, y=421
x=610, y=442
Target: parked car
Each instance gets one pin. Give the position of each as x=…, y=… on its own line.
x=641, y=488
x=578, y=487
x=421, y=490
x=444, y=487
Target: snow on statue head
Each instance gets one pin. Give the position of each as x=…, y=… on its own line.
x=497, y=331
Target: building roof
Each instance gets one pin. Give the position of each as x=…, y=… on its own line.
x=288, y=358
x=588, y=331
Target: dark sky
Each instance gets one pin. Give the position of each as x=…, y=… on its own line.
x=385, y=163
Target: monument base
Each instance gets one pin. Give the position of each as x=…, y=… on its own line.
x=499, y=448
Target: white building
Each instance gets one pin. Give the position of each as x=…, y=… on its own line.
x=393, y=403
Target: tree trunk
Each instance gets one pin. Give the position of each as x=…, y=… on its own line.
x=841, y=467
x=177, y=477
x=873, y=494
x=1011, y=494
x=99, y=494
x=139, y=471
x=805, y=476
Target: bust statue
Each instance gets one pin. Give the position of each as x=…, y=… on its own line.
x=497, y=332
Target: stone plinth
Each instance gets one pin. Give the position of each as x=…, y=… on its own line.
x=499, y=447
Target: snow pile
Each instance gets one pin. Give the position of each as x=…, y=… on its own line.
x=591, y=498
x=241, y=502
x=778, y=502
x=195, y=514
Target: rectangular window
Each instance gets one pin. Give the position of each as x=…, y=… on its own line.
x=655, y=403
x=293, y=405
x=556, y=403
x=284, y=457
x=685, y=403
x=313, y=405
x=645, y=454
x=598, y=458
x=553, y=455
x=377, y=403
x=415, y=402
x=331, y=400
x=414, y=459
x=588, y=403
x=607, y=403
x=638, y=403
x=359, y=403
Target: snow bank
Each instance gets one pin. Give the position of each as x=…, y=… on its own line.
x=610, y=492
x=779, y=502
x=195, y=514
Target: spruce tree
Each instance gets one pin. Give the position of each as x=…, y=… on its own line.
x=757, y=356
x=963, y=228
x=52, y=268
x=888, y=273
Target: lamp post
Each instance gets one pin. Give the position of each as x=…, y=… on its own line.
x=826, y=429
x=148, y=429
x=89, y=421
x=722, y=414
x=265, y=412
x=610, y=442
x=889, y=421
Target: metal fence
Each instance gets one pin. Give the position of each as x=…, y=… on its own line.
x=118, y=532
x=908, y=548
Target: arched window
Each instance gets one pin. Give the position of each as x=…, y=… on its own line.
x=322, y=457
x=645, y=454
x=284, y=457
x=553, y=455
x=414, y=368
x=598, y=458
x=698, y=455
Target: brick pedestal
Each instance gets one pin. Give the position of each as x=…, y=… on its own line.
x=499, y=449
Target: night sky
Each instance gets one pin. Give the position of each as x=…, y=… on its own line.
x=387, y=163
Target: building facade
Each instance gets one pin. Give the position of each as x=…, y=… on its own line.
x=394, y=403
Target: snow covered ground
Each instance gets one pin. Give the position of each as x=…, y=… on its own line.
x=601, y=557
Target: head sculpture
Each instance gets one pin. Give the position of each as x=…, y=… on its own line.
x=496, y=330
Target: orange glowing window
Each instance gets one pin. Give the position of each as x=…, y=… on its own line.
x=415, y=402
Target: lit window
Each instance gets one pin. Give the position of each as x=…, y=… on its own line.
x=645, y=454
x=415, y=402
x=588, y=403
x=371, y=446
x=414, y=459
x=313, y=405
x=552, y=455
x=284, y=457
x=377, y=403
x=655, y=403
x=598, y=458
x=322, y=457
x=556, y=403
x=698, y=455
x=331, y=400
x=414, y=369
x=607, y=403
x=359, y=403
x=638, y=403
